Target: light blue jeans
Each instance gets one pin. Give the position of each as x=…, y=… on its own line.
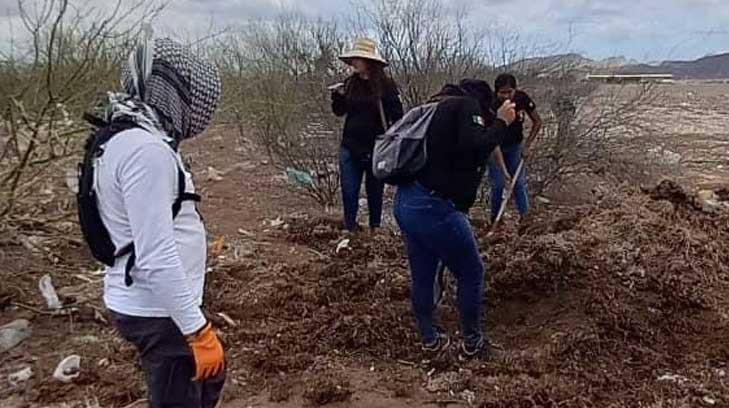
x=512, y=158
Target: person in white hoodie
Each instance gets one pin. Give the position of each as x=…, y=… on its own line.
x=154, y=294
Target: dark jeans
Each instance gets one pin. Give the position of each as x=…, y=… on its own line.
x=512, y=158
x=351, y=172
x=435, y=231
x=168, y=363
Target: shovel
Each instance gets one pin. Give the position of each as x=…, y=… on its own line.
x=505, y=202
x=439, y=284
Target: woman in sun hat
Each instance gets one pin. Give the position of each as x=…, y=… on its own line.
x=371, y=102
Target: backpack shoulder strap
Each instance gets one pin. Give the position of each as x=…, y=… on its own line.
x=182, y=195
x=383, y=118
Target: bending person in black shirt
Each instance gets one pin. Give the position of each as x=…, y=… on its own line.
x=432, y=211
x=371, y=102
x=507, y=158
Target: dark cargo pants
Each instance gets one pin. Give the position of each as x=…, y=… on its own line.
x=168, y=363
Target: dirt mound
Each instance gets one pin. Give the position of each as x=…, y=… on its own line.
x=646, y=284
x=323, y=389
x=618, y=303
x=622, y=293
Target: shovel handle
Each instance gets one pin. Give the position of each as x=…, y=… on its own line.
x=505, y=202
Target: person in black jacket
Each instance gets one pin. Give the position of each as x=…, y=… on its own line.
x=432, y=212
x=371, y=102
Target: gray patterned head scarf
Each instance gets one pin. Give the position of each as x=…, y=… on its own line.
x=169, y=90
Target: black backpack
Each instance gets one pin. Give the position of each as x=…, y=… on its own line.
x=94, y=232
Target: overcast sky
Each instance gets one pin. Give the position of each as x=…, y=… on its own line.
x=646, y=30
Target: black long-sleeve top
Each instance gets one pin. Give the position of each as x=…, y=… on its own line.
x=363, y=124
x=459, y=142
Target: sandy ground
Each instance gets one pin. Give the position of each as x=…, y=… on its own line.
x=617, y=303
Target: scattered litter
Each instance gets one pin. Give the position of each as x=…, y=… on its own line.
x=87, y=339
x=299, y=178
x=49, y=292
x=469, y=396
x=13, y=334
x=673, y=378
x=104, y=362
x=216, y=249
x=68, y=369
x=214, y=174
x=278, y=222
x=344, y=244
x=21, y=376
x=710, y=401
x=227, y=319
x=246, y=233
x=543, y=200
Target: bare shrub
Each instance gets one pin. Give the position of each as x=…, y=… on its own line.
x=280, y=95
x=427, y=43
x=73, y=54
x=595, y=130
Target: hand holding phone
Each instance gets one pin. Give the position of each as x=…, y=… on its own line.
x=338, y=87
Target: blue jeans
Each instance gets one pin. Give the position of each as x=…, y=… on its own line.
x=512, y=157
x=351, y=172
x=433, y=231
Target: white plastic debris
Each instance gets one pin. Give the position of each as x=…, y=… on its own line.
x=13, y=334
x=49, y=292
x=68, y=369
x=227, y=319
x=543, y=200
x=709, y=401
x=344, y=244
x=672, y=378
x=214, y=174
x=469, y=396
x=277, y=222
x=20, y=377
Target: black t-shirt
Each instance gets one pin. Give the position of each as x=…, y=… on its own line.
x=524, y=106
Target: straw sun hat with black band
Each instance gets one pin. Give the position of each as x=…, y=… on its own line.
x=363, y=48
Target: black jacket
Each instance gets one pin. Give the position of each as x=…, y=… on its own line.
x=363, y=124
x=460, y=139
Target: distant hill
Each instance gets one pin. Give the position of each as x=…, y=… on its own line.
x=574, y=63
x=710, y=67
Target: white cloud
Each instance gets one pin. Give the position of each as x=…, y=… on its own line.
x=642, y=29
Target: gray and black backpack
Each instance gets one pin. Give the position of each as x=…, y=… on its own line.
x=401, y=153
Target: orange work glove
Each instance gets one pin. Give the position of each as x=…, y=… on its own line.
x=208, y=353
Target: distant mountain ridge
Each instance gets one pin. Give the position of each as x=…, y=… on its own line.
x=709, y=67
